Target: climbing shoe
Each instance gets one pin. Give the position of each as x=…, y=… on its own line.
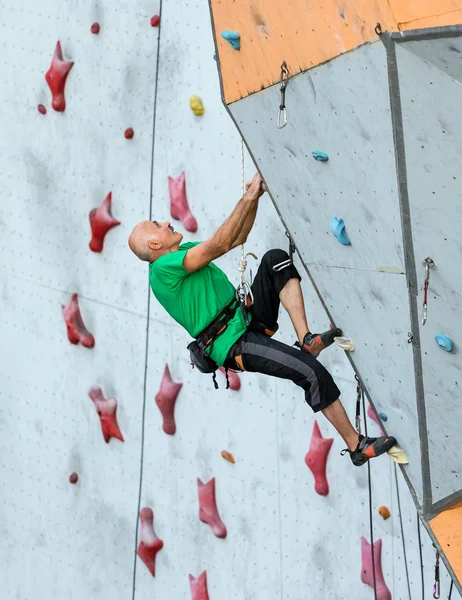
x=314, y=343
x=369, y=447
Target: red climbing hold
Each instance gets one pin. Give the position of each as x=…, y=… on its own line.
x=149, y=544
x=42, y=110
x=107, y=411
x=165, y=400
x=208, y=511
x=155, y=21
x=233, y=378
x=199, y=587
x=129, y=133
x=76, y=330
x=101, y=220
x=367, y=575
x=316, y=459
x=179, y=208
x=56, y=78
x=95, y=28
x=73, y=477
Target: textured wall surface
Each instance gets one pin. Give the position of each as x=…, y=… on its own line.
x=58, y=540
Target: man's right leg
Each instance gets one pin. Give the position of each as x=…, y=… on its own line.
x=260, y=353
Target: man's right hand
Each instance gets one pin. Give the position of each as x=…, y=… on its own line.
x=254, y=188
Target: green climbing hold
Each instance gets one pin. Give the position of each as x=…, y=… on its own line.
x=233, y=37
x=321, y=156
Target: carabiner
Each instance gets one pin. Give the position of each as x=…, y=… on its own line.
x=436, y=584
x=428, y=262
x=282, y=114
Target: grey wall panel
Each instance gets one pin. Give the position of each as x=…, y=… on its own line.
x=445, y=54
x=341, y=108
x=431, y=103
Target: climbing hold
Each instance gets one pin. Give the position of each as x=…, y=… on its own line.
x=155, y=21
x=42, y=110
x=337, y=227
x=208, y=511
x=198, y=587
x=383, y=416
x=149, y=544
x=371, y=414
x=316, y=459
x=321, y=156
x=95, y=28
x=107, y=412
x=179, y=208
x=101, y=220
x=228, y=456
x=215, y=56
x=76, y=330
x=345, y=343
x=233, y=37
x=398, y=455
x=129, y=133
x=73, y=477
x=384, y=512
x=444, y=342
x=56, y=78
x=196, y=106
x=165, y=400
x=233, y=378
x=367, y=573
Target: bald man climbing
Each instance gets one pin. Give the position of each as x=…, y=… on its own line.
x=229, y=333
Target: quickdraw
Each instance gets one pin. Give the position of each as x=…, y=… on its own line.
x=428, y=262
x=282, y=114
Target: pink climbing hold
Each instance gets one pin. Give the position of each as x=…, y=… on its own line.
x=56, y=78
x=107, y=412
x=316, y=459
x=129, y=133
x=179, y=208
x=208, y=511
x=149, y=544
x=367, y=575
x=101, y=220
x=234, y=380
x=165, y=400
x=155, y=21
x=73, y=478
x=76, y=330
x=198, y=587
x=42, y=110
x=95, y=28
x=371, y=414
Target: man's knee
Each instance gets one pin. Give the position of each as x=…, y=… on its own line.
x=274, y=257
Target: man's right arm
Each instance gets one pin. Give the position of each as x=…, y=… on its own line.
x=224, y=238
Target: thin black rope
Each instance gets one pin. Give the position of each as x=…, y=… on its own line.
x=143, y=420
x=402, y=534
x=421, y=557
x=450, y=589
x=369, y=479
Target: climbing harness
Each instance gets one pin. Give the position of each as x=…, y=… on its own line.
x=428, y=262
x=288, y=261
x=436, y=583
x=282, y=114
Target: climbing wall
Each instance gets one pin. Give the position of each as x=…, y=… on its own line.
x=124, y=474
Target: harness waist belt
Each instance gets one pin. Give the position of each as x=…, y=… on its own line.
x=218, y=325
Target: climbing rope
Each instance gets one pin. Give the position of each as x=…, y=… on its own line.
x=402, y=533
x=421, y=556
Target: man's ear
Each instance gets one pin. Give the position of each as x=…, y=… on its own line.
x=154, y=245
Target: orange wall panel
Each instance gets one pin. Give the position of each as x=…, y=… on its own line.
x=405, y=11
x=443, y=20
x=302, y=33
x=447, y=527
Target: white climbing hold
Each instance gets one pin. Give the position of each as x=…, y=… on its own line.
x=398, y=455
x=345, y=343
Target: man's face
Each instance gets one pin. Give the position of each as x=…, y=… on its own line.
x=166, y=235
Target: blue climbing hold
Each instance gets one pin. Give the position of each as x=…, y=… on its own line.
x=215, y=56
x=233, y=37
x=444, y=342
x=383, y=416
x=318, y=155
x=337, y=227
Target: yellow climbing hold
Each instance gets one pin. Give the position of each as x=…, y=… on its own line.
x=397, y=454
x=196, y=106
x=345, y=343
x=384, y=512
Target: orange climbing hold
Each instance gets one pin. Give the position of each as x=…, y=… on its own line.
x=384, y=512
x=228, y=456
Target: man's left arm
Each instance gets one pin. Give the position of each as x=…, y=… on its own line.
x=248, y=224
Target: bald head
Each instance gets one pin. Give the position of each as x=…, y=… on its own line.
x=150, y=239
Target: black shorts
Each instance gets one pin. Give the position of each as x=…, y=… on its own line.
x=262, y=354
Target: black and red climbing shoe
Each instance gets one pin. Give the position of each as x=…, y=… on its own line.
x=314, y=343
x=369, y=447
